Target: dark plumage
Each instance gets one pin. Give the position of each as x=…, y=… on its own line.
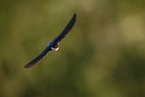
x=54, y=45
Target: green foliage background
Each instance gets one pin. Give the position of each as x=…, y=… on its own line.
x=103, y=55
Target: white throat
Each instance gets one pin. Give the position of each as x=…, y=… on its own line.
x=54, y=49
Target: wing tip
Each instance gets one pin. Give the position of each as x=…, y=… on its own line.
x=74, y=15
x=28, y=65
x=73, y=20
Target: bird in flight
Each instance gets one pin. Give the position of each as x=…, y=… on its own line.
x=54, y=45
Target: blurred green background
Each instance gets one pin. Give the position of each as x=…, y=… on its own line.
x=103, y=55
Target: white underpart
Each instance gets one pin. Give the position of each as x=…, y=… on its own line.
x=54, y=49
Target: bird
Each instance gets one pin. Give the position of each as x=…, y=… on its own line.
x=54, y=45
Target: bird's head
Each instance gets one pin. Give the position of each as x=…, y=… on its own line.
x=55, y=47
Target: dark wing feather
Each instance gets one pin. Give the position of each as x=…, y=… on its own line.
x=66, y=29
x=57, y=39
x=38, y=58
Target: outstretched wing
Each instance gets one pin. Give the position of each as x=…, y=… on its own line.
x=66, y=29
x=56, y=40
x=38, y=58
